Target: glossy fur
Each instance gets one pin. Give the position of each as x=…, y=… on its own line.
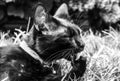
x=54, y=38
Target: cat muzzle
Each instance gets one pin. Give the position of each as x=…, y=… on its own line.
x=78, y=44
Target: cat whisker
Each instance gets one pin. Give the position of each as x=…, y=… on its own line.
x=57, y=56
x=46, y=49
x=62, y=53
x=68, y=55
x=72, y=53
x=54, y=54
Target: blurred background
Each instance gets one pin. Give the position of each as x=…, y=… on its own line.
x=16, y=13
x=87, y=14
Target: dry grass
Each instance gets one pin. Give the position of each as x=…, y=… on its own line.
x=6, y=39
x=102, y=53
x=103, y=56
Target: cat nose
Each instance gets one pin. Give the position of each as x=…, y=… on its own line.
x=80, y=44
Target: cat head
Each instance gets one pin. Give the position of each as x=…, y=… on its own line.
x=56, y=36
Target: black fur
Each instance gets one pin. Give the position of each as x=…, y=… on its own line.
x=17, y=65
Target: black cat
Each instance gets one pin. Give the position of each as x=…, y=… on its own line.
x=51, y=38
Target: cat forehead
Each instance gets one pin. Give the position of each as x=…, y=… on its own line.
x=62, y=28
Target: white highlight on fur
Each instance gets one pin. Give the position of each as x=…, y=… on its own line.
x=5, y=79
x=32, y=53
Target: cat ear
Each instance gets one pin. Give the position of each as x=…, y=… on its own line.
x=39, y=12
x=62, y=12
